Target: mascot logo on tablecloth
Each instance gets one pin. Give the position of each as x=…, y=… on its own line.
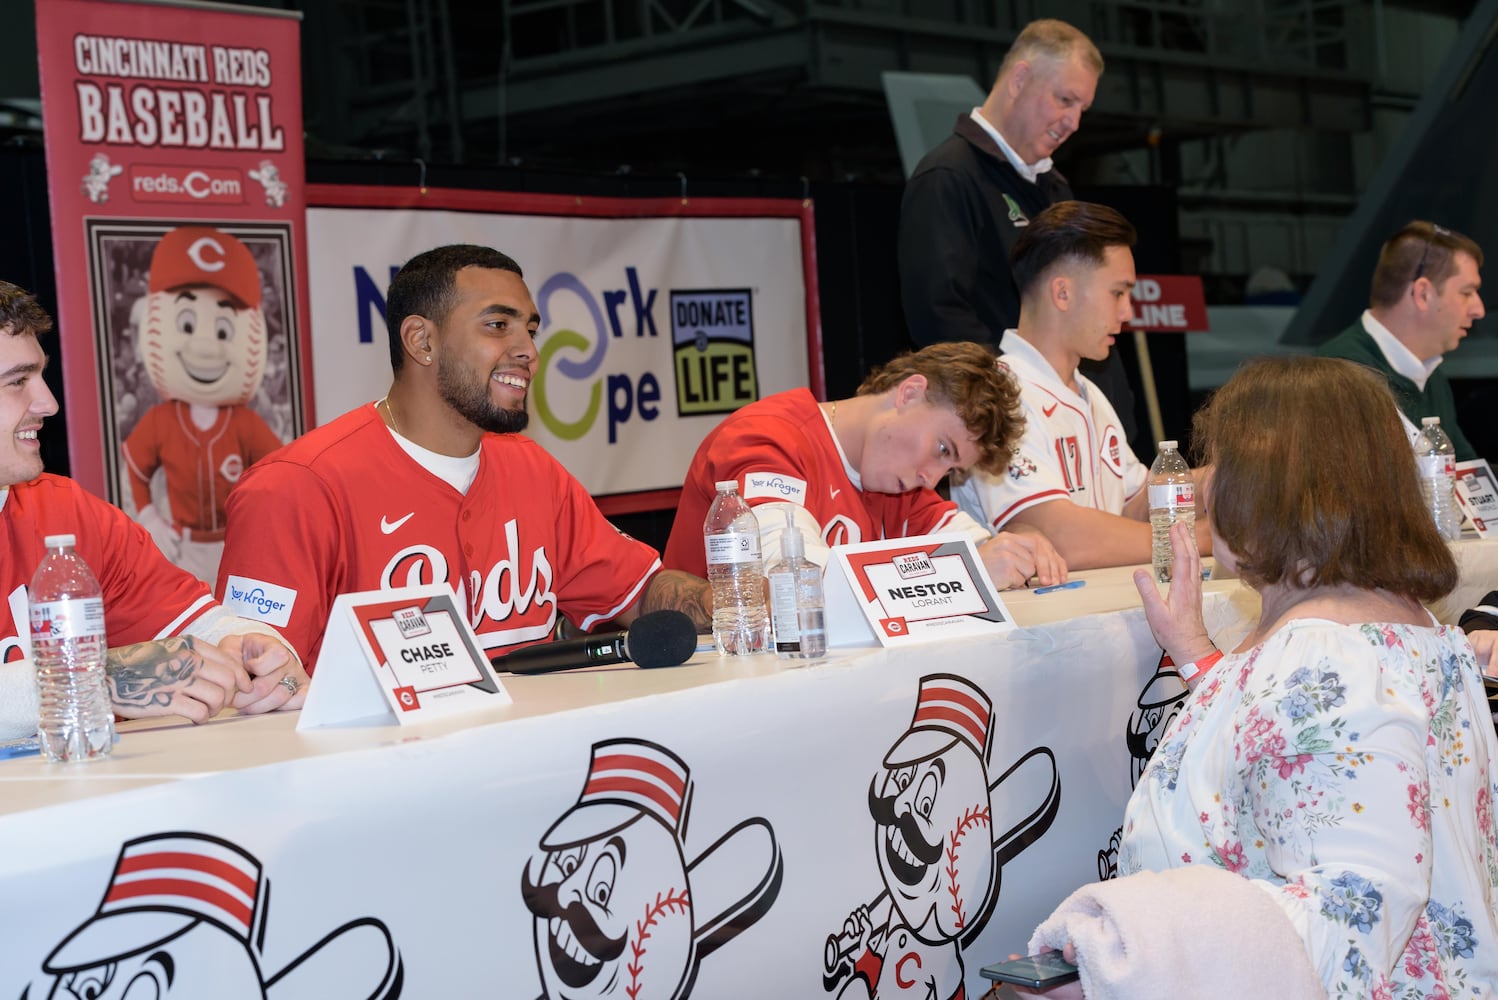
x=942, y=835
x=618, y=910
x=1159, y=704
x=184, y=916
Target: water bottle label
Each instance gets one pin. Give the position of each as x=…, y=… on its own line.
x=1435, y=466
x=783, y=607
x=1172, y=495
x=731, y=549
x=68, y=619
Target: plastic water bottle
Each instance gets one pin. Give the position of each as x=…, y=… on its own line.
x=68, y=647
x=796, y=601
x=741, y=623
x=1172, y=497
x=1436, y=457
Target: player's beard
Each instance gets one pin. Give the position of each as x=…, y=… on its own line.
x=470, y=397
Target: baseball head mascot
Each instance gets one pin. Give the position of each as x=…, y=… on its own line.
x=203, y=343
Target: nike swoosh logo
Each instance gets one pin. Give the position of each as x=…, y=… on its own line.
x=1048, y=410
x=835, y=493
x=387, y=526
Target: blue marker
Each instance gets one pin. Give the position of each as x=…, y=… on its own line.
x=1068, y=585
x=20, y=748
x=27, y=746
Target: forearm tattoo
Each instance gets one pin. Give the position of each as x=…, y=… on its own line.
x=149, y=673
x=691, y=595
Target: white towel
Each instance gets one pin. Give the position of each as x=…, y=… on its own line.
x=1196, y=931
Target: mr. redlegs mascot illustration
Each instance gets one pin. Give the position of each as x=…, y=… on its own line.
x=203, y=343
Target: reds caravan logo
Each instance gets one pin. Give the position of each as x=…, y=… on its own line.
x=511, y=588
x=1111, y=452
x=913, y=564
x=619, y=911
x=184, y=915
x=938, y=848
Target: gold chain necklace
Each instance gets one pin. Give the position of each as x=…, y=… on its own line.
x=390, y=410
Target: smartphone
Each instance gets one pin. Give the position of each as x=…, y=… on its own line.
x=1039, y=972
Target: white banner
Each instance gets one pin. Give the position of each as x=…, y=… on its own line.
x=652, y=328
x=885, y=825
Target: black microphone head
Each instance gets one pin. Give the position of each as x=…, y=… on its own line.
x=662, y=639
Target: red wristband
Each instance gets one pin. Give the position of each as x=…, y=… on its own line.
x=1194, y=670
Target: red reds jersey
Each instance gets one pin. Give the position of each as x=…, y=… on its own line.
x=145, y=597
x=1073, y=449
x=344, y=508
x=780, y=449
x=201, y=465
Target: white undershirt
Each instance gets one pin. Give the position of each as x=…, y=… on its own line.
x=848, y=470
x=459, y=473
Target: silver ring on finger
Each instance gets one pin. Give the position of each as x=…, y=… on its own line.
x=291, y=684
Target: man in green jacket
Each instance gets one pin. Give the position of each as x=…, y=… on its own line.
x=1423, y=300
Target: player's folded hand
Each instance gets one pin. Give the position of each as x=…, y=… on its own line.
x=279, y=682
x=179, y=676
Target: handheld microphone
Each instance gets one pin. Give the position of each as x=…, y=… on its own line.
x=658, y=639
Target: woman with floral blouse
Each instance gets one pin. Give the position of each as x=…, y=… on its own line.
x=1339, y=762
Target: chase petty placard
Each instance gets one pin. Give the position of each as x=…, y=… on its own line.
x=407, y=652
x=905, y=590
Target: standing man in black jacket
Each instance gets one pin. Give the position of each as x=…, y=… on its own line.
x=970, y=197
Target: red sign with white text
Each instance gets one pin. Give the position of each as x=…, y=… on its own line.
x=1168, y=303
x=177, y=185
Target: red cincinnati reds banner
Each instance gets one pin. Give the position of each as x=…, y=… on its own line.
x=175, y=170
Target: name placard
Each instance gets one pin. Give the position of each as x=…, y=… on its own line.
x=1477, y=494
x=910, y=590
x=408, y=653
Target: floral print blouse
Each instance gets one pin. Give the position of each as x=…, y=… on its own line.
x=1350, y=771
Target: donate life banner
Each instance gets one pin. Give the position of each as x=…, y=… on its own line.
x=658, y=316
x=176, y=178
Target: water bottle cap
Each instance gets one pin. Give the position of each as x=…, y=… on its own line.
x=1430, y=421
x=60, y=541
x=1167, y=444
x=727, y=486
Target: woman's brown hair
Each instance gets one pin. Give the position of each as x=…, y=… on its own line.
x=1314, y=483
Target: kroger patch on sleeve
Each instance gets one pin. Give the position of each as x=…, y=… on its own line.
x=774, y=486
x=259, y=600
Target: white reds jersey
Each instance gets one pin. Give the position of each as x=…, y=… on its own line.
x=1073, y=449
x=344, y=508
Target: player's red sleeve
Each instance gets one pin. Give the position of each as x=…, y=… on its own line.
x=285, y=530
x=766, y=444
x=145, y=596
x=603, y=572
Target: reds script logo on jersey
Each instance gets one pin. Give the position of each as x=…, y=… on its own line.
x=504, y=591
x=841, y=530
